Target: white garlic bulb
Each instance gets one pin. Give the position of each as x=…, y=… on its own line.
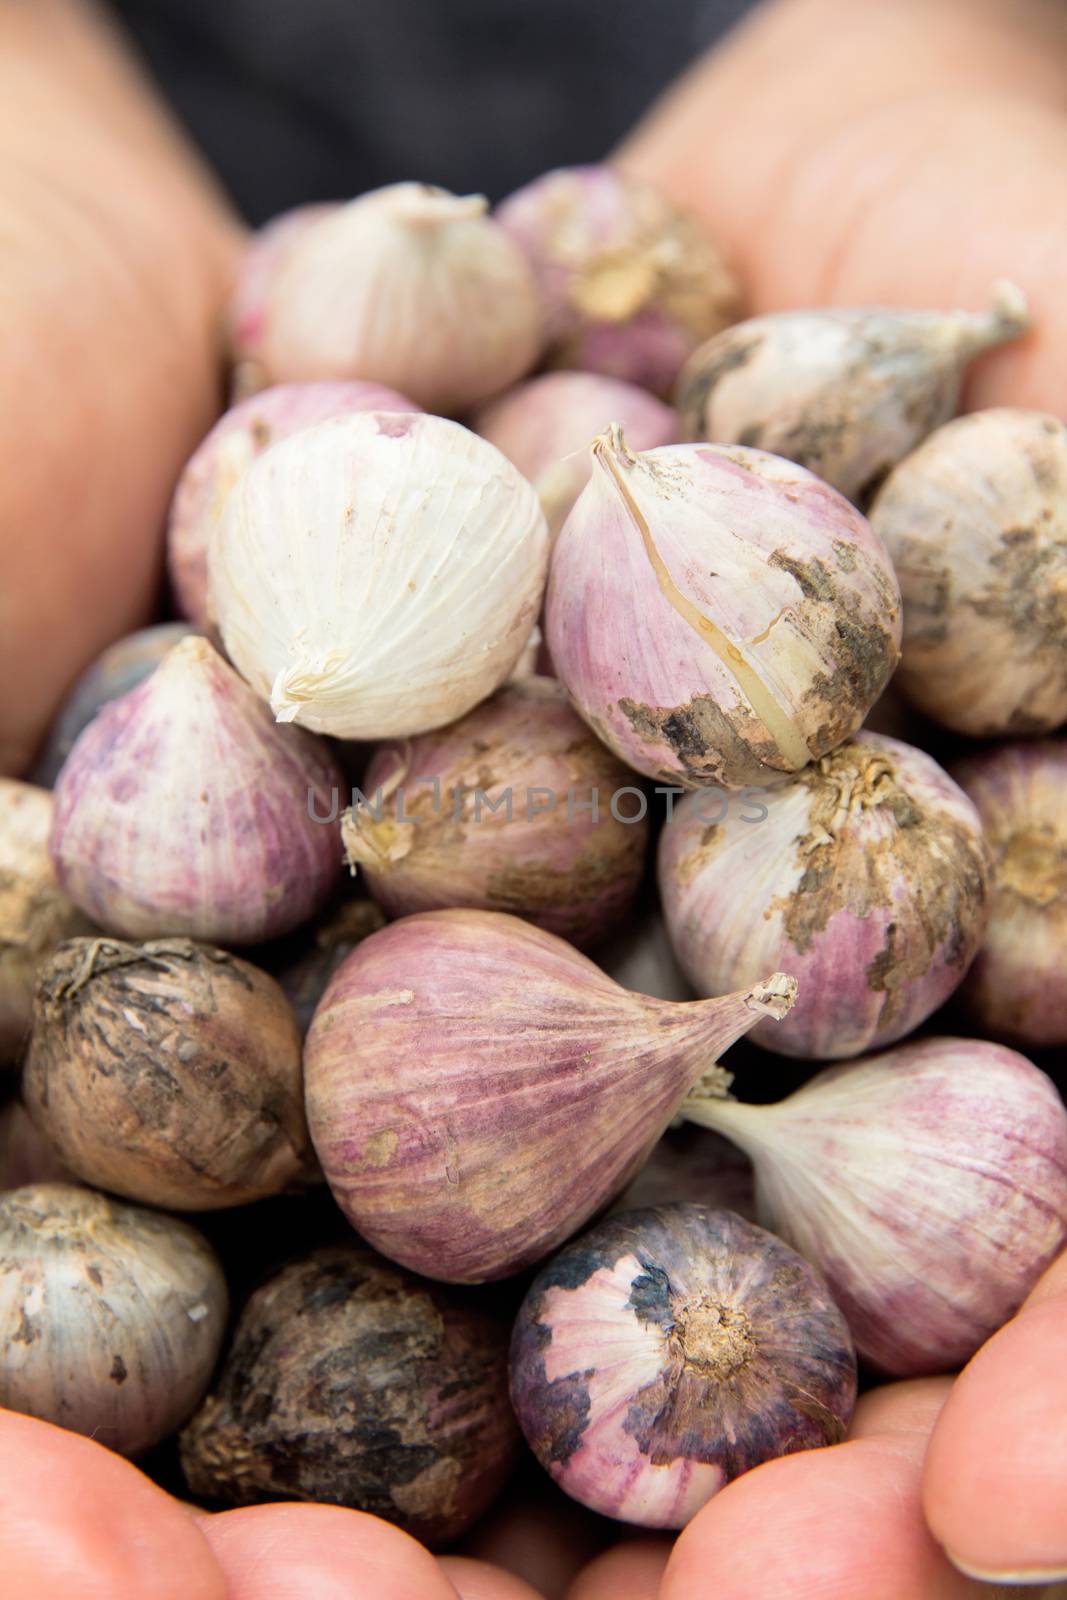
x=378, y=574
x=409, y=286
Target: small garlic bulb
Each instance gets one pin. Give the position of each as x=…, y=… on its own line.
x=239, y=436
x=976, y=523
x=35, y=913
x=378, y=575
x=928, y=1185
x=631, y=285
x=409, y=286
x=866, y=877
x=111, y=1316
x=717, y=614
x=1017, y=985
x=844, y=392
x=185, y=809
x=248, y=312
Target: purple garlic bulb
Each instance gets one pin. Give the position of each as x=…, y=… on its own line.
x=717, y=614
x=667, y=1351
x=866, y=877
x=630, y=284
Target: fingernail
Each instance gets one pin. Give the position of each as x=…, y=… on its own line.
x=1008, y=1574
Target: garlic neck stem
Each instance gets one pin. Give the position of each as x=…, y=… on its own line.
x=738, y=1122
x=1008, y=317
x=429, y=207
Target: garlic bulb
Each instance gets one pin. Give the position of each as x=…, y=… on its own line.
x=845, y=392
x=718, y=615
x=378, y=575
x=477, y=1089
x=928, y=1184
x=866, y=877
x=185, y=809
x=111, y=1316
x=247, y=318
x=667, y=1351
x=352, y=1383
x=630, y=284
x=26, y=1156
x=239, y=436
x=122, y=666
x=409, y=286
x=167, y=1072
x=516, y=807
x=544, y=426
x=1017, y=985
x=976, y=523
x=35, y=914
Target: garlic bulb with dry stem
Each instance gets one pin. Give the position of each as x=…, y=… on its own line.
x=352, y=1383
x=928, y=1184
x=185, y=809
x=409, y=286
x=667, y=1351
x=717, y=614
x=516, y=807
x=631, y=285
x=846, y=392
x=866, y=877
x=167, y=1072
x=111, y=1316
x=544, y=426
x=378, y=575
x=239, y=436
x=35, y=914
x=976, y=523
x=1017, y=985
x=477, y=1089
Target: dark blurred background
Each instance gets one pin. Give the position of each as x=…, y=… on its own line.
x=295, y=100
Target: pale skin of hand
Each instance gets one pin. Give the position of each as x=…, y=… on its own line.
x=903, y=151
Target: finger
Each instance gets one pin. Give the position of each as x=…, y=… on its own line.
x=901, y=183
x=995, y=1489
x=1052, y=1281
x=480, y=1580
x=75, y=1519
x=908, y=1408
x=634, y=1569
x=314, y=1552
x=539, y=1535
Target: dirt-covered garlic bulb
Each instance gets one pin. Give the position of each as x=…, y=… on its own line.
x=717, y=614
x=378, y=575
x=516, y=807
x=35, y=914
x=667, y=1351
x=111, y=1316
x=352, y=1383
x=239, y=436
x=167, y=1072
x=976, y=523
x=866, y=877
x=409, y=286
x=846, y=392
x=1017, y=985
x=631, y=285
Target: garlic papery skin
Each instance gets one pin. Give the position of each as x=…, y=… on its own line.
x=630, y=284
x=111, y=1315
x=248, y=312
x=185, y=809
x=667, y=1351
x=544, y=426
x=976, y=523
x=717, y=614
x=351, y=1383
x=866, y=876
x=477, y=1089
x=1016, y=988
x=35, y=913
x=516, y=807
x=846, y=392
x=378, y=575
x=409, y=286
x=927, y=1184
x=240, y=435
x=167, y=1072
